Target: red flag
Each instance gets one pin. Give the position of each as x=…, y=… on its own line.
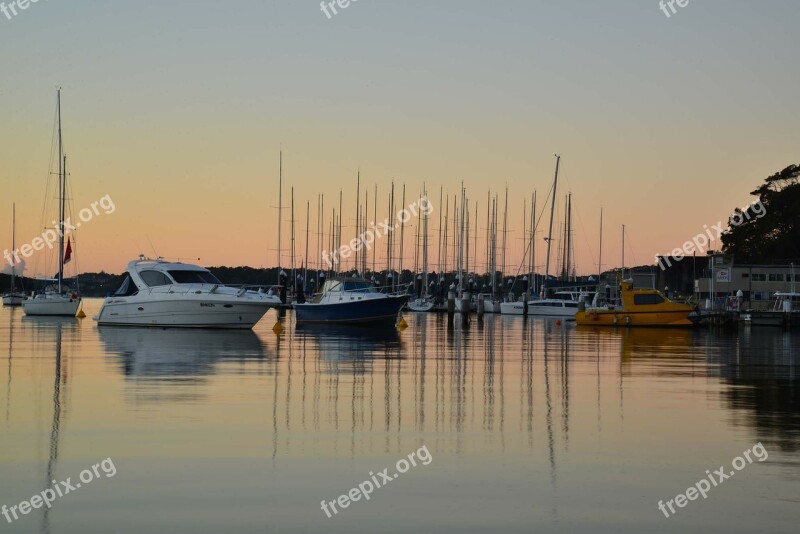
x=68, y=252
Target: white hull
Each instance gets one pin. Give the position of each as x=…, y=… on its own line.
x=185, y=311
x=420, y=305
x=540, y=308
x=51, y=305
x=13, y=300
x=490, y=306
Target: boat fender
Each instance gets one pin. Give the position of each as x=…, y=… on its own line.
x=615, y=320
x=74, y=294
x=627, y=319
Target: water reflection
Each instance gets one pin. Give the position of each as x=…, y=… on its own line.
x=169, y=364
x=502, y=403
x=762, y=370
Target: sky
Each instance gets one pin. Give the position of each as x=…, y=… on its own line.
x=177, y=111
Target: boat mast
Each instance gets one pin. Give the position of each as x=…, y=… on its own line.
x=374, y=218
x=294, y=273
x=505, y=228
x=305, y=257
x=550, y=231
x=600, y=259
x=532, y=244
x=402, y=234
x=358, y=215
x=425, y=244
x=61, y=192
x=569, y=236
x=461, y=246
x=623, y=252
x=280, y=206
x=439, y=244
x=13, y=245
x=493, y=261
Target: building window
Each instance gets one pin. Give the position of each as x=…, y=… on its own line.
x=745, y=275
x=775, y=277
x=759, y=277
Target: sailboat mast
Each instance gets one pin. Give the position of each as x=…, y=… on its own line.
x=358, y=215
x=425, y=244
x=569, y=236
x=532, y=242
x=461, y=247
x=61, y=178
x=550, y=231
x=280, y=206
x=439, y=243
x=505, y=228
x=402, y=234
x=623, y=252
x=600, y=259
x=13, y=244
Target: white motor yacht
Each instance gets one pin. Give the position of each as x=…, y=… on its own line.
x=167, y=294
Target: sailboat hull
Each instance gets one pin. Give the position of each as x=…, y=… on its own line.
x=51, y=305
x=13, y=300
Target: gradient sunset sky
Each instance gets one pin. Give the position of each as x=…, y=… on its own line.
x=177, y=110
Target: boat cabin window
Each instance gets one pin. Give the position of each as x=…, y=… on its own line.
x=155, y=278
x=194, y=277
x=358, y=286
x=127, y=289
x=647, y=299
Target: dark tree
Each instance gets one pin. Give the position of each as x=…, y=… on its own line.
x=769, y=229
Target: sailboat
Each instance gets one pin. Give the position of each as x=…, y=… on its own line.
x=424, y=301
x=13, y=298
x=57, y=298
x=564, y=307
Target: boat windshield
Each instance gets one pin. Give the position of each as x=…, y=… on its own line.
x=193, y=277
x=358, y=286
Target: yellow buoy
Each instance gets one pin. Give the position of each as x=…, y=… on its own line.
x=278, y=328
x=402, y=324
x=80, y=314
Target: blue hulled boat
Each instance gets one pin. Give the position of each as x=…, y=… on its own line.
x=351, y=301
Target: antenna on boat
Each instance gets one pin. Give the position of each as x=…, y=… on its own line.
x=152, y=247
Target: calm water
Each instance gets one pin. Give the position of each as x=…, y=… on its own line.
x=531, y=426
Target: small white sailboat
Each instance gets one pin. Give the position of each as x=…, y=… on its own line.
x=13, y=297
x=170, y=294
x=57, y=298
x=424, y=301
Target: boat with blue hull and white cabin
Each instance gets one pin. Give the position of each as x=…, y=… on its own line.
x=351, y=301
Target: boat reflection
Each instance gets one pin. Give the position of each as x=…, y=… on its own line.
x=153, y=357
x=348, y=343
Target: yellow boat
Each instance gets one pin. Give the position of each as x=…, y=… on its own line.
x=640, y=307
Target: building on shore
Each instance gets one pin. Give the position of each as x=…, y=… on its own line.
x=717, y=276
